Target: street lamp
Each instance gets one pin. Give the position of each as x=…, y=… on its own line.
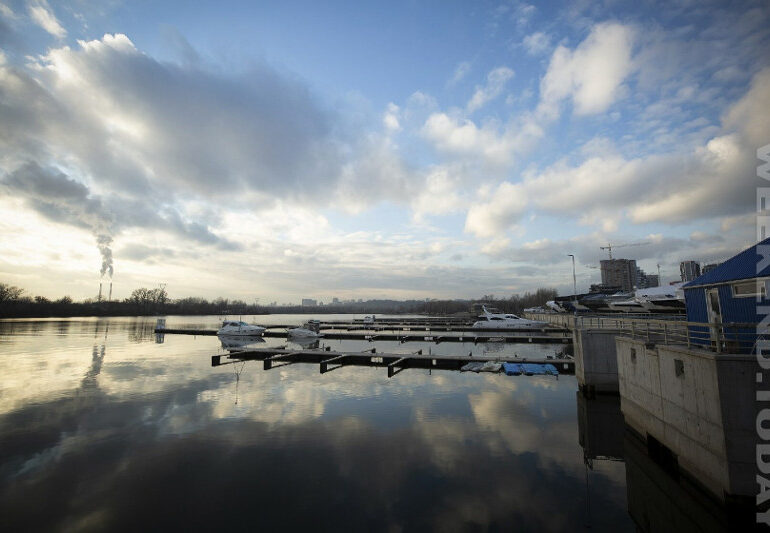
x=574, y=281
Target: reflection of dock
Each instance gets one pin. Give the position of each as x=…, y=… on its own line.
x=394, y=362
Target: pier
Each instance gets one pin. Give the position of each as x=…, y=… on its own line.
x=686, y=390
x=394, y=362
x=422, y=330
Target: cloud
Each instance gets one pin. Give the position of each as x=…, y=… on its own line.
x=390, y=118
x=709, y=181
x=439, y=196
x=537, y=43
x=44, y=17
x=63, y=200
x=491, y=143
x=507, y=205
x=592, y=75
x=134, y=124
x=461, y=70
x=496, y=81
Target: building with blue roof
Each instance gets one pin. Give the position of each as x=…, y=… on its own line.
x=727, y=300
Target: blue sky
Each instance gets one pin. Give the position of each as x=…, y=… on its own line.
x=366, y=150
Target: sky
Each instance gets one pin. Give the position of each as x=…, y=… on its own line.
x=275, y=151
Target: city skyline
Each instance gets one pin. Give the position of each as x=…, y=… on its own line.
x=398, y=151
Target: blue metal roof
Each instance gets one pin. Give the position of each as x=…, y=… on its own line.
x=741, y=266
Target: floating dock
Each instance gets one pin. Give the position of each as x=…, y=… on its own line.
x=394, y=362
x=411, y=330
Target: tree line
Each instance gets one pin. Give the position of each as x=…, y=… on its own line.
x=14, y=303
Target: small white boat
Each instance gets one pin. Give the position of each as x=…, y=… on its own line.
x=238, y=327
x=310, y=329
x=491, y=320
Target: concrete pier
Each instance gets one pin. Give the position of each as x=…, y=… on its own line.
x=695, y=407
x=596, y=364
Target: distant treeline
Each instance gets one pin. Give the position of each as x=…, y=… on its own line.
x=15, y=304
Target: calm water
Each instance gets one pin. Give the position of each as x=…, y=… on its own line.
x=102, y=428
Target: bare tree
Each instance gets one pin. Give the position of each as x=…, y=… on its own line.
x=9, y=293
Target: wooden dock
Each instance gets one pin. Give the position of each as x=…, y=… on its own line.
x=394, y=362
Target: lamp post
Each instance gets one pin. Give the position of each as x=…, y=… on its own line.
x=574, y=282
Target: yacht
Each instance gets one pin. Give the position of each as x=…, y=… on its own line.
x=631, y=305
x=491, y=320
x=666, y=299
x=238, y=327
x=310, y=329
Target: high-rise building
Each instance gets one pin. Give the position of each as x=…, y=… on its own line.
x=644, y=280
x=710, y=266
x=309, y=302
x=619, y=273
x=689, y=270
x=652, y=280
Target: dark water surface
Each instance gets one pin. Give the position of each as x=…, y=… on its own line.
x=103, y=429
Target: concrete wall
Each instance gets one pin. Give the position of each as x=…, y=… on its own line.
x=689, y=400
x=596, y=365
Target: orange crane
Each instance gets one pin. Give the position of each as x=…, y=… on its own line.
x=609, y=247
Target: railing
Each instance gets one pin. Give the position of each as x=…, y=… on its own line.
x=738, y=338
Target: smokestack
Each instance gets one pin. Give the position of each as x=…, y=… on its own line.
x=99, y=299
x=109, y=298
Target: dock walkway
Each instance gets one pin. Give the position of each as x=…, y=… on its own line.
x=394, y=362
x=553, y=336
x=424, y=330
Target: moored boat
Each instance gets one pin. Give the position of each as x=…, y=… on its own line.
x=491, y=320
x=239, y=327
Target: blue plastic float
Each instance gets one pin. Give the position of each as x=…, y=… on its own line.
x=513, y=369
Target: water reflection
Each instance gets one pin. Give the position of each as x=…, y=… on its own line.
x=151, y=434
x=234, y=343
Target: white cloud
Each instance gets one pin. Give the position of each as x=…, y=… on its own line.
x=44, y=17
x=496, y=81
x=500, y=212
x=537, y=43
x=6, y=11
x=461, y=70
x=439, y=195
x=494, y=145
x=390, y=118
x=592, y=75
x=710, y=181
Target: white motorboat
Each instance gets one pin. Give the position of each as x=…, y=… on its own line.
x=631, y=305
x=238, y=327
x=505, y=321
x=666, y=299
x=310, y=329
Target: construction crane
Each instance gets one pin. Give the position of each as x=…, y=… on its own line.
x=609, y=247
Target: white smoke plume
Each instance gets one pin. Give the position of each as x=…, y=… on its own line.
x=103, y=242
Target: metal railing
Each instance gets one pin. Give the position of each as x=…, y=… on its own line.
x=739, y=338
